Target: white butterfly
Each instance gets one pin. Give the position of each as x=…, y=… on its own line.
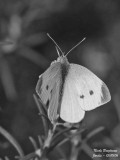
x=68, y=90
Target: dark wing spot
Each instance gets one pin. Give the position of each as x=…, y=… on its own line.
x=91, y=92
x=82, y=96
x=47, y=87
x=105, y=96
x=47, y=103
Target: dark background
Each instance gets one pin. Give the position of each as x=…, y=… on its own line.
x=25, y=24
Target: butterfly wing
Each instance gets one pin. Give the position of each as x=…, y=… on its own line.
x=83, y=91
x=48, y=89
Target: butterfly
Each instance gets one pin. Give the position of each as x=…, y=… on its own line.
x=68, y=90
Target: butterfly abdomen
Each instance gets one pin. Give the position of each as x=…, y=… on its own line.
x=64, y=72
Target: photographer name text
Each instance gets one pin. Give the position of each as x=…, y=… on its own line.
x=104, y=153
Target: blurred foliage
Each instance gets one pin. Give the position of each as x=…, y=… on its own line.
x=26, y=51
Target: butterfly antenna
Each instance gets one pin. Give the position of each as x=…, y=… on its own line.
x=57, y=51
x=56, y=45
x=75, y=46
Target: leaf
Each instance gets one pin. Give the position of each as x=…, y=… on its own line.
x=44, y=120
x=33, y=56
x=12, y=141
x=33, y=143
x=40, y=141
x=94, y=132
x=7, y=80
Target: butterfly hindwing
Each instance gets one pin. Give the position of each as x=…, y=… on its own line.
x=70, y=106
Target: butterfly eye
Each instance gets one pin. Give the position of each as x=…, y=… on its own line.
x=82, y=96
x=91, y=92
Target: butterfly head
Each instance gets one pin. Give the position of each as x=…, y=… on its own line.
x=61, y=57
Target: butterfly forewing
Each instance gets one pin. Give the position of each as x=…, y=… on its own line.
x=89, y=89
